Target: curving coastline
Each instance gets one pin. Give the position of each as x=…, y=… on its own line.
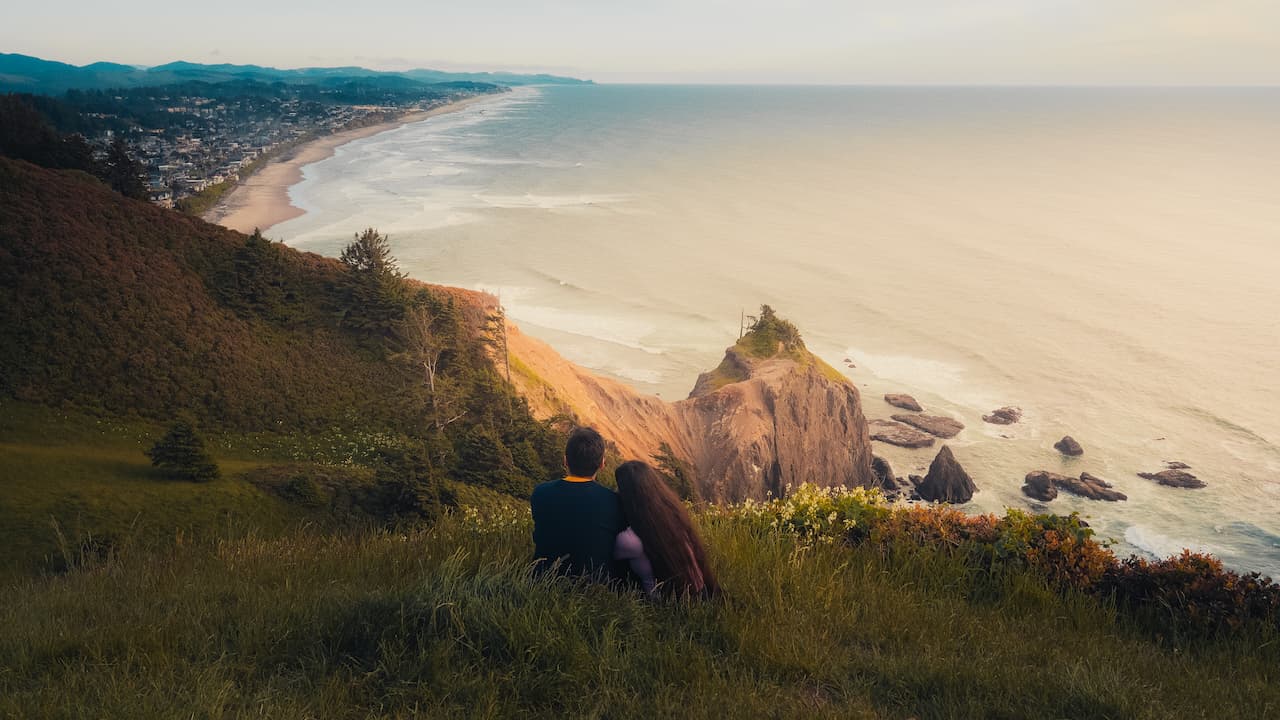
x=262, y=200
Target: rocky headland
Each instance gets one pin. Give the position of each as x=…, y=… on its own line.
x=771, y=415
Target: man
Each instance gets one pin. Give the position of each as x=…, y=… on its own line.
x=576, y=520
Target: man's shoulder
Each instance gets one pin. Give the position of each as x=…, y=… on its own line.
x=558, y=487
x=543, y=488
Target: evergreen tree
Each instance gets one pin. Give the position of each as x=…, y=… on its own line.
x=484, y=460
x=180, y=454
x=255, y=282
x=376, y=299
x=410, y=485
x=123, y=172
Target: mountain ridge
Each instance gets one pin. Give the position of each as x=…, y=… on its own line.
x=27, y=73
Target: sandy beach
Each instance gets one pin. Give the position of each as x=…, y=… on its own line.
x=262, y=200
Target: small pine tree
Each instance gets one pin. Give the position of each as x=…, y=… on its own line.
x=180, y=454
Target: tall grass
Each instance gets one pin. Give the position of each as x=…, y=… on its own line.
x=447, y=621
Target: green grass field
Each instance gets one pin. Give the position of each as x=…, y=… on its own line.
x=87, y=479
x=447, y=622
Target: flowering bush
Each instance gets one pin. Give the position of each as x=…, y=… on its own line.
x=816, y=514
x=1060, y=548
x=1192, y=592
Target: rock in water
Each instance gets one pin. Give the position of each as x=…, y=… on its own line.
x=946, y=481
x=1174, y=478
x=1175, y=465
x=887, y=431
x=943, y=427
x=906, y=402
x=1092, y=487
x=1068, y=446
x=1042, y=485
x=1007, y=415
x=884, y=475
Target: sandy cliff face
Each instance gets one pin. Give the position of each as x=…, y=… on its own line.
x=782, y=424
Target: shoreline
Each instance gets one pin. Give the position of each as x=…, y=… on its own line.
x=262, y=200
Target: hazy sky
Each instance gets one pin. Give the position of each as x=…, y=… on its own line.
x=825, y=41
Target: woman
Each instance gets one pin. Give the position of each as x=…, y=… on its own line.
x=661, y=544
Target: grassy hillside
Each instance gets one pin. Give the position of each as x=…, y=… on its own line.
x=447, y=622
x=131, y=309
x=76, y=486
x=118, y=318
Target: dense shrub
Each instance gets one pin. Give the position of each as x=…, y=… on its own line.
x=1192, y=591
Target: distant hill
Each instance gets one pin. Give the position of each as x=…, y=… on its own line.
x=23, y=73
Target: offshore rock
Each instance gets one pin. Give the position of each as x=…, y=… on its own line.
x=1068, y=446
x=1175, y=465
x=901, y=400
x=943, y=427
x=946, y=481
x=1042, y=485
x=887, y=431
x=1007, y=415
x=1174, y=478
x=1091, y=487
x=884, y=475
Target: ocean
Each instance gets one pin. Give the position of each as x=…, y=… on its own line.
x=1107, y=259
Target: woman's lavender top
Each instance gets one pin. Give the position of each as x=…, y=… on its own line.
x=628, y=547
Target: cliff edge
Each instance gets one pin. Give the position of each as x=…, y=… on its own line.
x=771, y=415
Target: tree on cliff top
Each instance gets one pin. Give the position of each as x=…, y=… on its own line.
x=768, y=335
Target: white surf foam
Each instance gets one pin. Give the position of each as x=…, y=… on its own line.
x=1159, y=545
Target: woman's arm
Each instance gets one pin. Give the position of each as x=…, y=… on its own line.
x=628, y=547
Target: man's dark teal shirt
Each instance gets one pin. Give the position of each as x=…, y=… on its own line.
x=577, y=520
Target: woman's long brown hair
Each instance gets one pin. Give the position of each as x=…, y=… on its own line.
x=663, y=525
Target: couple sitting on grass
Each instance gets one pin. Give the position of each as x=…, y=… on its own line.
x=642, y=533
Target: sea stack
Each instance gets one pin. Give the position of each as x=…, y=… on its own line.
x=1068, y=446
x=946, y=481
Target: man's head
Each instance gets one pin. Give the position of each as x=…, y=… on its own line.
x=584, y=453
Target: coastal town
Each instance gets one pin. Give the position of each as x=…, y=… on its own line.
x=206, y=143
